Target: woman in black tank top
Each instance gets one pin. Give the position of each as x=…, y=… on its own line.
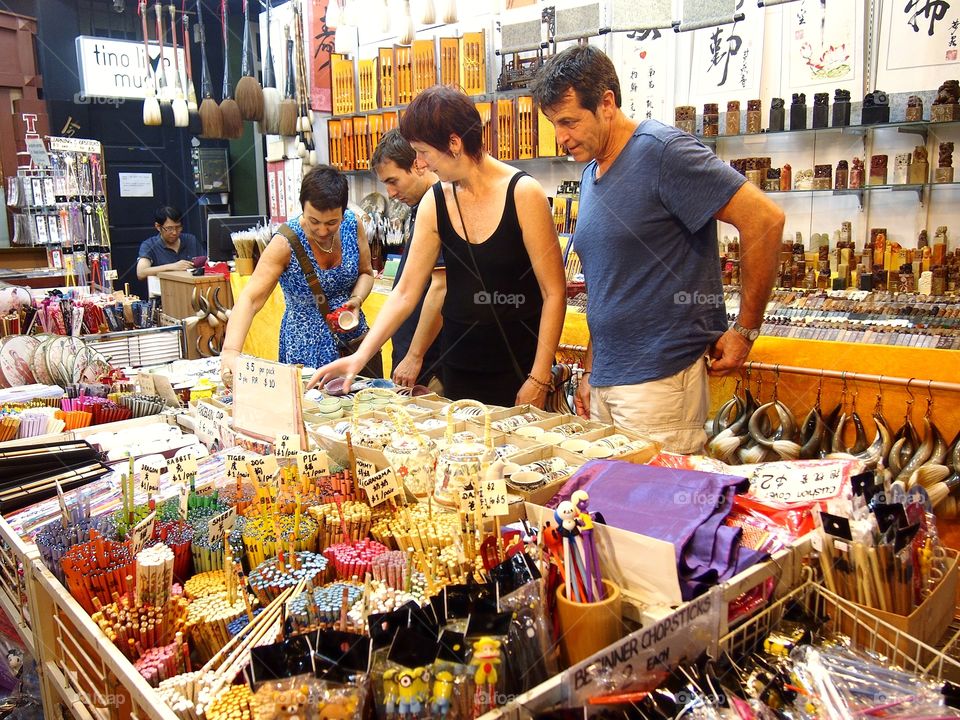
x=505, y=302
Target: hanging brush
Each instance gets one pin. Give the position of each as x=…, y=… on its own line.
x=288, y=108
x=302, y=150
x=232, y=120
x=151, y=106
x=210, y=118
x=249, y=91
x=196, y=127
x=271, y=96
x=306, y=132
x=304, y=122
x=429, y=16
x=406, y=23
x=166, y=109
x=181, y=113
x=450, y=12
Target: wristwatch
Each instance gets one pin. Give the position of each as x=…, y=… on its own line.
x=747, y=333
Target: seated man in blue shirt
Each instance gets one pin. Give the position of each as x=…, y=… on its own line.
x=170, y=248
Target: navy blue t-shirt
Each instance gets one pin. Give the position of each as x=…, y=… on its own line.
x=404, y=334
x=648, y=244
x=158, y=253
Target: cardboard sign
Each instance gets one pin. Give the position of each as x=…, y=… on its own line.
x=182, y=470
x=150, y=478
x=141, y=534
x=208, y=420
x=263, y=468
x=468, y=500
x=287, y=445
x=220, y=524
x=165, y=391
x=268, y=394
x=381, y=487
x=145, y=382
x=313, y=464
x=493, y=494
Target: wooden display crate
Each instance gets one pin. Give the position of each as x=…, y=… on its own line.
x=176, y=291
x=387, y=87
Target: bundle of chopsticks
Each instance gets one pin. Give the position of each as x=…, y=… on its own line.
x=30, y=473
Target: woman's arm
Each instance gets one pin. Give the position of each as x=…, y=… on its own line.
x=540, y=239
x=364, y=284
x=421, y=260
x=273, y=262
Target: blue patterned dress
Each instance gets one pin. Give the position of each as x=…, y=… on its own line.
x=304, y=335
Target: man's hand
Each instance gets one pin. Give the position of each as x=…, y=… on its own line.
x=728, y=353
x=581, y=400
x=182, y=265
x=408, y=370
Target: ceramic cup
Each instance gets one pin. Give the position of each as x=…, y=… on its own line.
x=527, y=479
x=530, y=432
x=348, y=320
x=577, y=445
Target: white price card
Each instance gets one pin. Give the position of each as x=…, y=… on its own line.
x=798, y=481
x=287, y=445
x=182, y=470
x=494, y=496
x=381, y=487
x=150, y=478
x=365, y=470
x=140, y=534
x=313, y=464
x=263, y=468
x=221, y=524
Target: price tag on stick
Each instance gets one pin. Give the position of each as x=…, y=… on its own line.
x=140, y=534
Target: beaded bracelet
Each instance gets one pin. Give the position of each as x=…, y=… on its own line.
x=543, y=385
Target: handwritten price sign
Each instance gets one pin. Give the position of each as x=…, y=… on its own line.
x=381, y=487
x=787, y=483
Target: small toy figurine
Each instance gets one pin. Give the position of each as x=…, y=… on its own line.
x=408, y=695
x=390, y=695
x=581, y=501
x=421, y=684
x=486, y=657
x=442, y=697
x=566, y=516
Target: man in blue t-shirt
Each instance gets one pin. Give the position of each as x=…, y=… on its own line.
x=170, y=248
x=646, y=236
x=416, y=344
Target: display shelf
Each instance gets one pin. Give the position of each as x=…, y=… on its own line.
x=918, y=128
x=518, y=163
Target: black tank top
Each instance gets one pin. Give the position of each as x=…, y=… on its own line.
x=498, y=276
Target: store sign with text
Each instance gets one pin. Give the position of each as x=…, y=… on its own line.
x=120, y=68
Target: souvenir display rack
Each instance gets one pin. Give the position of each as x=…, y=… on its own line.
x=63, y=208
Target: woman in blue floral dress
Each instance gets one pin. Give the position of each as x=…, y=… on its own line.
x=337, y=247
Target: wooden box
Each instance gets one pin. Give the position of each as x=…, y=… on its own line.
x=506, y=130
x=387, y=87
x=450, y=61
x=176, y=292
x=344, y=85
x=367, y=72
x=473, y=59
x=403, y=71
x=361, y=143
x=424, y=65
x=525, y=128
x=486, y=115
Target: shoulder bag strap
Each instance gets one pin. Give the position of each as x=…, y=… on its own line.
x=521, y=375
x=306, y=266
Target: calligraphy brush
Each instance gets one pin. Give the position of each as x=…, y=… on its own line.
x=288, y=108
x=151, y=106
x=181, y=114
x=249, y=91
x=196, y=127
x=211, y=119
x=304, y=124
x=271, y=95
x=232, y=120
x=166, y=109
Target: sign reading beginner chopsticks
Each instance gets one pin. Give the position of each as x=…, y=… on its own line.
x=268, y=394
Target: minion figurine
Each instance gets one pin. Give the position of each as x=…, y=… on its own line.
x=422, y=684
x=442, y=697
x=408, y=693
x=486, y=657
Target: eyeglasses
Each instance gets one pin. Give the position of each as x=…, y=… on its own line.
x=171, y=228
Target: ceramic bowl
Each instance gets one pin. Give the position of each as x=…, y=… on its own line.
x=576, y=445
x=530, y=432
x=552, y=438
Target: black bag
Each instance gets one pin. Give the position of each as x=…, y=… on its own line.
x=374, y=367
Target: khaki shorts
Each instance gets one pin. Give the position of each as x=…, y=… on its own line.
x=671, y=411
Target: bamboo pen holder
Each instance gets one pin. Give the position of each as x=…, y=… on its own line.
x=587, y=628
